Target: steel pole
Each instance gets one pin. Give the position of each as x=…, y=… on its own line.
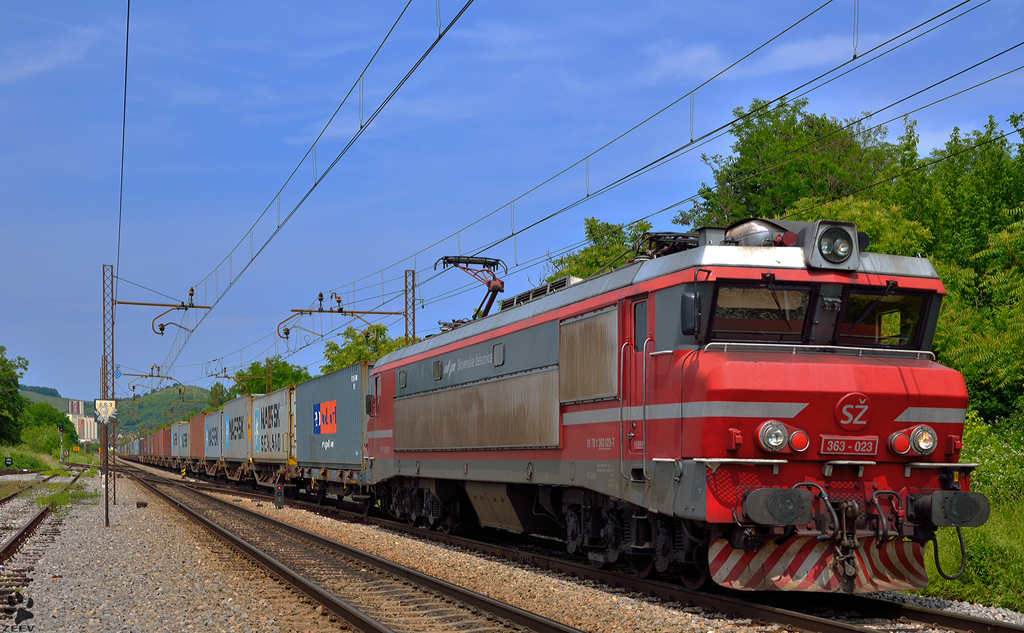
x=106, y=480
x=113, y=456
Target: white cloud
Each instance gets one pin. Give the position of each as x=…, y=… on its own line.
x=502, y=43
x=824, y=51
x=21, y=62
x=669, y=60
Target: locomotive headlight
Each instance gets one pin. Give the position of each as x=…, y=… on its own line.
x=923, y=440
x=773, y=436
x=835, y=245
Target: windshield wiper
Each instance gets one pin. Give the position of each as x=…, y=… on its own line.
x=889, y=287
x=771, y=287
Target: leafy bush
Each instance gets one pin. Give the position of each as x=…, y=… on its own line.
x=23, y=458
x=42, y=438
x=995, y=561
x=999, y=448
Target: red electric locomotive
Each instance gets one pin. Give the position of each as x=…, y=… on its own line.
x=755, y=406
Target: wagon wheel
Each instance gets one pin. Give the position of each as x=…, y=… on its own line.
x=695, y=574
x=448, y=523
x=365, y=506
x=641, y=564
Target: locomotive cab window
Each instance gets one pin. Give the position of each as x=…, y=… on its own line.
x=401, y=379
x=639, y=325
x=880, y=317
x=776, y=313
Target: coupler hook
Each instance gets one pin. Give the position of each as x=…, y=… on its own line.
x=831, y=510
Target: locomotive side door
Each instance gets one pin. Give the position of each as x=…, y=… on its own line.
x=637, y=343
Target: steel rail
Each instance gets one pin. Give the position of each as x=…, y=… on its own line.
x=11, y=546
x=499, y=609
x=731, y=603
x=315, y=592
x=21, y=490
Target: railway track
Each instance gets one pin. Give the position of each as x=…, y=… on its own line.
x=370, y=593
x=858, y=612
x=16, y=572
x=24, y=489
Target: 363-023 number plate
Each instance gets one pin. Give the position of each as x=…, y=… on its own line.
x=838, y=445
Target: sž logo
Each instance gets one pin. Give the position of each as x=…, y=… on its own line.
x=325, y=418
x=853, y=411
x=20, y=613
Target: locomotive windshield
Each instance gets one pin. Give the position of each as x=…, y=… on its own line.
x=760, y=313
x=880, y=317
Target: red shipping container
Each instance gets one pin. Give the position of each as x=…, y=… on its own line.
x=197, y=436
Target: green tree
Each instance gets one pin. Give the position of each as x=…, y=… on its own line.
x=978, y=185
x=218, y=395
x=43, y=414
x=279, y=372
x=369, y=345
x=11, y=402
x=783, y=153
x=607, y=245
x=890, y=231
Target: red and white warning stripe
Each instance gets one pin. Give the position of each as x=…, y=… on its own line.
x=805, y=564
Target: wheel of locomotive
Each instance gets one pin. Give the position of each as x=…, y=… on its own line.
x=641, y=564
x=696, y=575
x=448, y=523
x=365, y=506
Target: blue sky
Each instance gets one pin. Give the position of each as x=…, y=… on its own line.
x=225, y=99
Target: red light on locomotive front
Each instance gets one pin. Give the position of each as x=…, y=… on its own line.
x=799, y=441
x=899, y=443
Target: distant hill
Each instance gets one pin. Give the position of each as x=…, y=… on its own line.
x=154, y=410
x=160, y=408
x=61, y=404
x=46, y=391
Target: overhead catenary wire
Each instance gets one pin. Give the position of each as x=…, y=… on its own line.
x=120, y=195
x=653, y=164
x=604, y=146
x=798, y=150
x=183, y=336
x=713, y=134
x=722, y=129
x=147, y=289
x=920, y=167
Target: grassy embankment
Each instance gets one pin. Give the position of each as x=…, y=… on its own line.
x=25, y=458
x=54, y=496
x=995, y=559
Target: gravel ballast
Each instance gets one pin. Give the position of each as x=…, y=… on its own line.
x=152, y=570
x=582, y=604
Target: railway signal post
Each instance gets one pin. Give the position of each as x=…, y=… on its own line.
x=106, y=410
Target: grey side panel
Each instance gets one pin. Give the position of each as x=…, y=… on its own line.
x=588, y=349
x=885, y=264
x=271, y=422
x=523, y=351
x=236, y=429
x=214, y=434
x=317, y=442
x=516, y=412
x=668, y=329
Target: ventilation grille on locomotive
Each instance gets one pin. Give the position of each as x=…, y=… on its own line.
x=540, y=291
